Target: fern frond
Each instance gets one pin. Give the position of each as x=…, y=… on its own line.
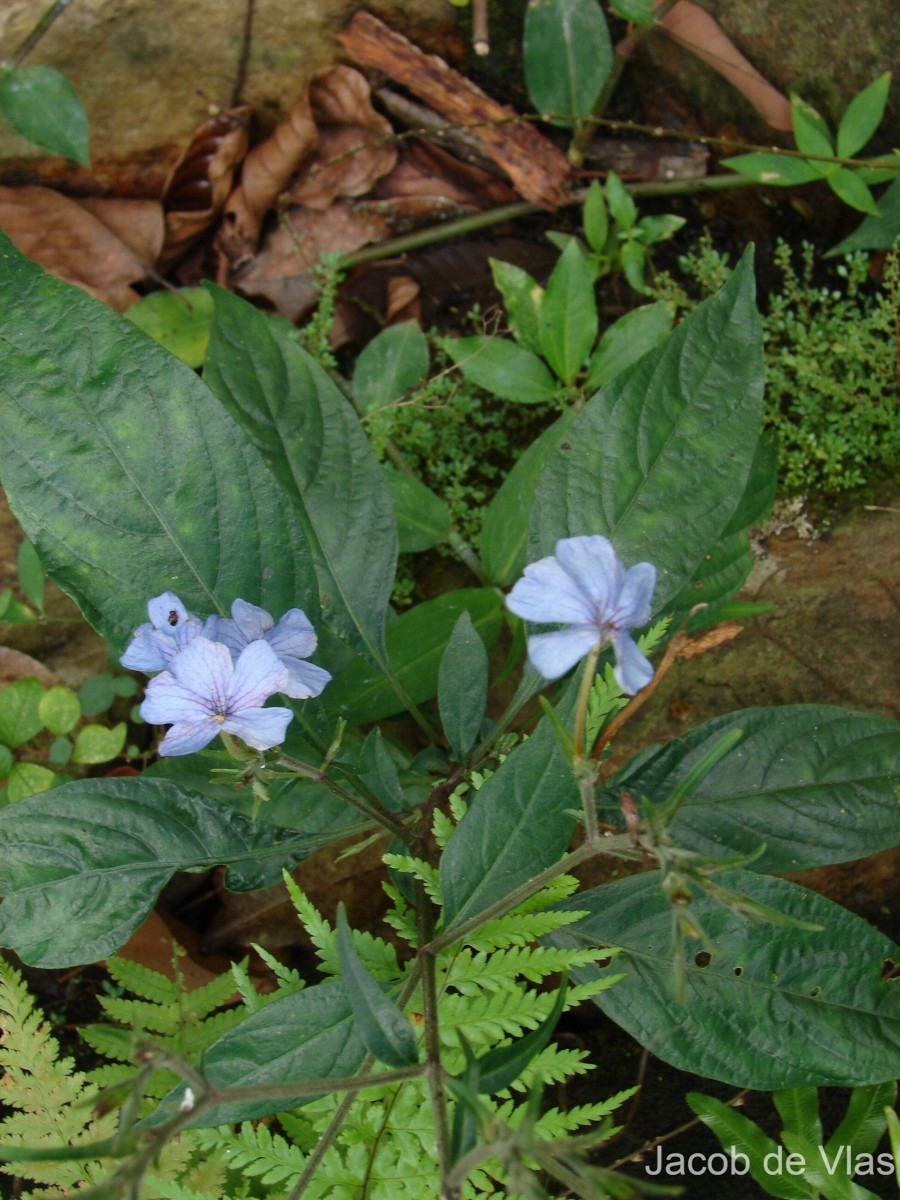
x=518, y=928
x=472, y=971
x=419, y=869
x=168, y=1189
x=143, y=1015
x=377, y=955
x=254, y=1151
x=289, y=980
x=253, y=1001
x=204, y=1000
x=142, y=981
x=50, y=1099
x=441, y=827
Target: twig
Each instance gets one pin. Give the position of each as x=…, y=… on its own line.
x=240, y=78
x=55, y=10
x=481, y=40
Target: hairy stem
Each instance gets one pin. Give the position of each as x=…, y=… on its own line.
x=371, y=808
x=433, y=1069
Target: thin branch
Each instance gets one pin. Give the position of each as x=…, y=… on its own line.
x=43, y=25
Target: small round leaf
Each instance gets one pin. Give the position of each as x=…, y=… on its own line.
x=97, y=744
x=59, y=709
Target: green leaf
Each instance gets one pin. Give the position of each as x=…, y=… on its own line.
x=59, y=709
x=43, y=107
x=96, y=694
x=811, y=133
x=389, y=366
x=20, y=717
x=423, y=519
x=27, y=779
x=817, y=784
x=522, y=297
x=298, y=1038
x=113, y=523
x=596, y=222
x=798, y=1108
x=503, y=368
x=316, y=448
x=502, y=1066
x=31, y=575
x=863, y=116
x=124, y=685
x=774, y=170
x=812, y=1008
x=627, y=340
x=179, y=320
x=658, y=460
x=633, y=258
x=81, y=865
x=60, y=751
x=640, y=12
x=875, y=233
x=567, y=56
x=378, y=771
x=415, y=646
x=519, y=823
x=568, y=320
x=621, y=204
x=733, y=1129
x=14, y=612
x=660, y=228
x=863, y=1124
x=848, y=186
x=504, y=533
x=463, y=686
x=6, y=760
x=384, y=1030
x=97, y=744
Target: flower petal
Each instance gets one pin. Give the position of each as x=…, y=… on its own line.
x=552, y=654
x=305, y=679
x=166, y=613
x=293, y=636
x=186, y=737
x=633, y=607
x=258, y=674
x=149, y=650
x=260, y=728
x=167, y=701
x=595, y=567
x=547, y=593
x=632, y=670
x=205, y=668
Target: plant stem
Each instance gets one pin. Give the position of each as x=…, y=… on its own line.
x=373, y=808
x=31, y=40
x=310, y=1087
x=433, y=1068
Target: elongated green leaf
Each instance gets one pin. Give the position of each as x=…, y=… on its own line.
x=462, y=686
x=568, y=318
x=504, y=533
x=567, y=55
x=621, y=203
x=299, y=1038
x=659, y=458
x=392, y=363
x=504, y=368
x=382, y=1027
x=518, y=824
x=423, y=519
x=317, y=450
x=817, y=784
x=863, y=1124
x=767, y=1007
x=774, y=170
x=43, y=107
x=810, y=131
x=848, y=187
x=595, y=218
x=863, y=116
x=798, y=1108
x=128, y=476
x=733, y=1129
x=875, y=233
x=522, y=297
x=6, y=761
x=626, y=341
x=81, y=865
x=31, y=575
x=415, y=646
x=179, y=320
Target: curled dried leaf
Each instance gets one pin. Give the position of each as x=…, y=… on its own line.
x=266, y=173
x=717, y=636
x=403, y=300
x=102, y=246
x=201, y=180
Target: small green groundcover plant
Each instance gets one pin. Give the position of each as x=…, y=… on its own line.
x=235, y=538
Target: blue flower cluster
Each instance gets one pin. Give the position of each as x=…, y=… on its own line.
x=216, y=675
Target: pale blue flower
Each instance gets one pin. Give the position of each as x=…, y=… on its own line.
x=204, y=691
x=586, y=587
x=171, y=628
x=293, y=639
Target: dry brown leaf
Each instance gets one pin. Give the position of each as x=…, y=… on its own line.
x=75, y=245
x=137, y=223
x=717, y=636
x=353, y=152
x=156, y=942
x=201, y=180
x=403, y=300
x=693, y=27
x=282, y=271
x=267, y=170
x=14, y=664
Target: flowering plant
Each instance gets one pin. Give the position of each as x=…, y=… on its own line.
x=662, y=469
